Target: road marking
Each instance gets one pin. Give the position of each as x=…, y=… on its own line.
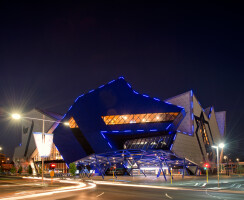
x=219, y=190
x=196, y=184
x=100, y=194
x=168, y=196
x=204, y=184
x=213, y=195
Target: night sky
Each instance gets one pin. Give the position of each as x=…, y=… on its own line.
x=50, y=53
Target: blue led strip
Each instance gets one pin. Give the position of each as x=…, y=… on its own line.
x=129, y=85
x=184, y=132
x=110, y=145
x=156, y=99
x=210, y=112
x=101, y=132
x=145, y=95
x=168, y=126
x=129, y=131
x=192, y=114
x=103, y=135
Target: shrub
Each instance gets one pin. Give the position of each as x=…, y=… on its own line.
x=13, y=170
x=30, y=170
x=72, y=168
x=20, y=170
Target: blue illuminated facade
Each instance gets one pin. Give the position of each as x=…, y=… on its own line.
x=94, y=136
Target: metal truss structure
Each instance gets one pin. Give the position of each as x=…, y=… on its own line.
x=133, y=159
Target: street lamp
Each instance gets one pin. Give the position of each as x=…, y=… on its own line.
x=221, y=145
x=227, y=165
x=238, y=166
x=40, y=146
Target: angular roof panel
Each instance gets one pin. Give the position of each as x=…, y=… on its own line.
x=115, y=98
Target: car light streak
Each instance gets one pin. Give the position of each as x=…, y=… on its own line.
x=143, y=186
x=80, y=186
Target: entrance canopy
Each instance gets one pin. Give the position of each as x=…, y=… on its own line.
x=134, y=159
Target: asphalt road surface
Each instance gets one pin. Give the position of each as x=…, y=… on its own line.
x=108, y=192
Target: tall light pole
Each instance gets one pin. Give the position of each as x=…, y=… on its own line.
x=238, y=166
x=221, y=145
x=18, y=116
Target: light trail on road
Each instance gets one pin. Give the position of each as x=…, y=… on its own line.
x=79, y=187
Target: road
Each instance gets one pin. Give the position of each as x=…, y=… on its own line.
x=108, y=192
x=129, y=192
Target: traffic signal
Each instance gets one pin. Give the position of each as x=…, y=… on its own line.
x=113, y=168
x=52, y=166
x=206, y=166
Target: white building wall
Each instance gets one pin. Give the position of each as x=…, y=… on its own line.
x=185, y=145
x=26, y=124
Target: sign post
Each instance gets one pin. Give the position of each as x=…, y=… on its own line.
x=171, y=175
x=52, y=175
x=206, y=166
x=44, y=143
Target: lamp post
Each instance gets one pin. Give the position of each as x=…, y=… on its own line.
x=238, y=166
x=17, y=116
x=221, y=145
x=227, y=165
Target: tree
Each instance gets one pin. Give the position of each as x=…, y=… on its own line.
x=20, y=170
x=40, y=170
x=72, y=168
x=13, y=170
x=29, y=170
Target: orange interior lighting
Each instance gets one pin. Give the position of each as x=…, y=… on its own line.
x=72, y=123
x=139, y=118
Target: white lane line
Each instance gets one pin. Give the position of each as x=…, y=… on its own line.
x=196, y=184
x=168, y=196
x=100, y=194
x=204, y=184
x=213, y=195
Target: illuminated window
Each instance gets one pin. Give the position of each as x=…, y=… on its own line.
x=159, y=142
x=139, y=118
x=72, y=123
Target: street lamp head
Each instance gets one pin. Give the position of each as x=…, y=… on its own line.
x=221, y=145
x=66, y=123
x=1, y=148
x=237, y=159
x=16, y=116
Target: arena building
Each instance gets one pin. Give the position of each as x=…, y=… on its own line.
x=115, y=126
